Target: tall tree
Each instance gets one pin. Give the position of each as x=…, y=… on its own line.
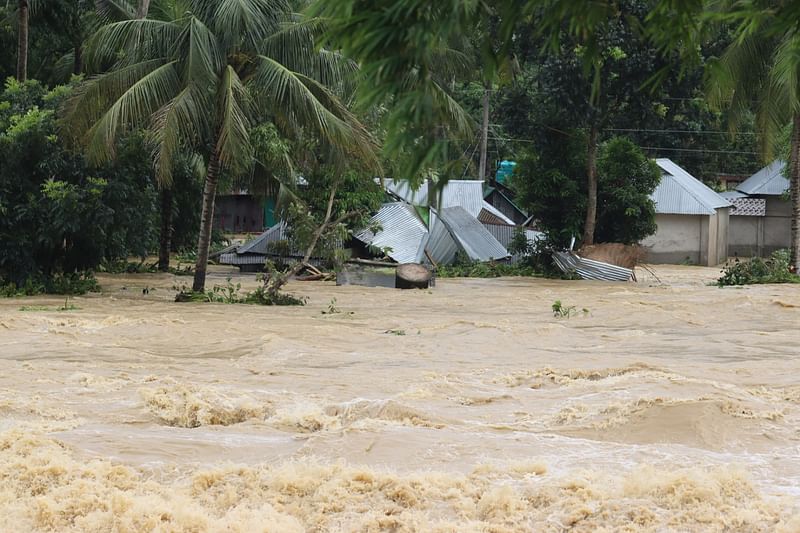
x=23, y=15
x=201, y=76
x=760, y=72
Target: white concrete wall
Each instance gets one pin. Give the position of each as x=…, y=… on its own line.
x=679, y=238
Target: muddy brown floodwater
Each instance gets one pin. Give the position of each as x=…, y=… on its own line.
x=670, y=406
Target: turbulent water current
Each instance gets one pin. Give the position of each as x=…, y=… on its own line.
x=669, y=405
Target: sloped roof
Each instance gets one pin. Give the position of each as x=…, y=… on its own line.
x=767, y=181
x=680, y=193
x=402, y=231
x=403, y=190
x=467, y=194
x=732, y=195
x=260, y=244
x=440, y=245
x=471, y=236
x=463, y=193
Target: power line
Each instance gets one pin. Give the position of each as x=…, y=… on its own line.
x=698, y=150
x=704, y=132
x=742, y=152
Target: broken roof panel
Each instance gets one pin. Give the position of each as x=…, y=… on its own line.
x=441, y=246
x=680, y=193
x=260, y=244
x=467, y=194
x=470, y=235
x=767, y=181
x=402, y=231
x=403, y=190
x=589, y=268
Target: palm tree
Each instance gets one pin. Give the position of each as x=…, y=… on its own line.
x=23, y=13
x=199, y=74
x=760, y=72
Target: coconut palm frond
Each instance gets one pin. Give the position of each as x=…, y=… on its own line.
x=182, y=122
x=130, y=41
x=90, y=100
x=132, y=109
x=312, y=104
x=248, y=20
x=233, y=145
x=114, y=10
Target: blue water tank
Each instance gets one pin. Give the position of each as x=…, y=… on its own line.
x=505, y=171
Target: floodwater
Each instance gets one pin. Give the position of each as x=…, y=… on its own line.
x=669, y=406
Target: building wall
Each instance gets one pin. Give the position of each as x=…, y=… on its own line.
x=679, y=238
x=777, y=224
x=720, y=246
x=238, y=213
x=760, y=236
x=746, y=236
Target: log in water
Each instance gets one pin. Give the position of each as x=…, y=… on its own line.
x=412, y=276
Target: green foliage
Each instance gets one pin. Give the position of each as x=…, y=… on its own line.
x=776, y=269
x=60, y=214
x=231, y=293
x=565, y=311
x=551, y=183
x=66, y=307
x=75, y=283
x=626, y=179
x=464, y=268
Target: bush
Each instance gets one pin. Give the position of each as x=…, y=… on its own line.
x=464, y=268
x=754, y=271
x=72, y=284
x=58, y=213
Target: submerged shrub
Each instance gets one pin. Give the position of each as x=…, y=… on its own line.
x=775, y=269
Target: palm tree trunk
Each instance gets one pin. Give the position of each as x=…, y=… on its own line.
x=77, y=65
x=142, y=9
x=794, y=187
x=484, y=133
x=206, y=219
x=591, y=173
x=165, y=238
x=22, y=43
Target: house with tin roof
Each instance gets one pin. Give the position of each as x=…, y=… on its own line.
x=693, y=220
x=761, y=218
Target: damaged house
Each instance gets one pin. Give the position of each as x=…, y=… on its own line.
x=416, y=226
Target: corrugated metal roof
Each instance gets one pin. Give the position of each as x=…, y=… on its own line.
x=470, y=235
x=402, y=189
x=680, y=193
x=260, y=244
x=589, y=268
x=732, y=195
x=767, y=181
x=403, y=232
x=496, y=212
x=467, y=194
x=440, y=243
x=505, y=234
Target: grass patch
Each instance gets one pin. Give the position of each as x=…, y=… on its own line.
x=66, y=307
